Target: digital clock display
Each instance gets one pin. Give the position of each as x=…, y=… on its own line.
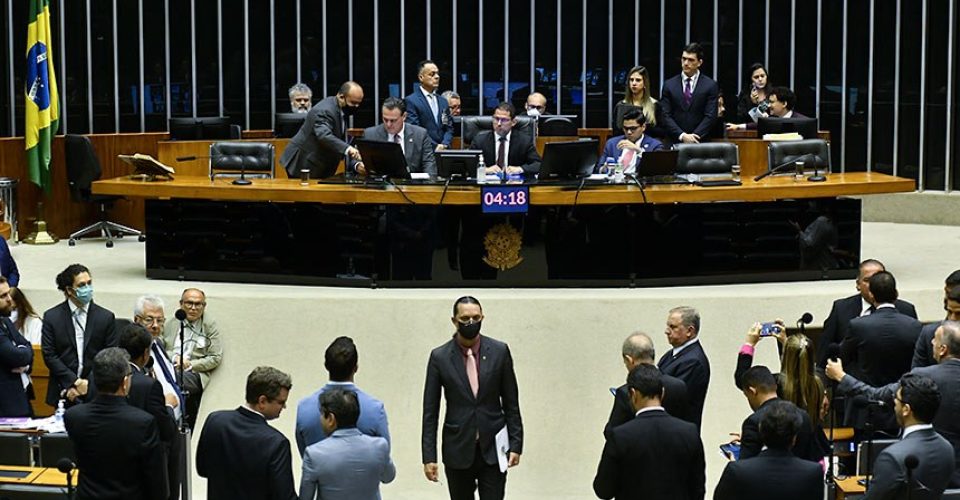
x=505, y=199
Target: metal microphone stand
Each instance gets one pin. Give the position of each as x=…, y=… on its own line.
x=183, y=463
x=868, y=433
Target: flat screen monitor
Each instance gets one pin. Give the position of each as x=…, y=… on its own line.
x=287, y=124
x=569, y=159
x=383, y=159
x=458, y=163
x=805, y=126
x=200, y=128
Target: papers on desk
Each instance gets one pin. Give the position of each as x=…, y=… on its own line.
x=420, y=176
x=789, y=136
x=502, y=442
x=49, y=424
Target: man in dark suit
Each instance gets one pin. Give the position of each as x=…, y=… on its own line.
x=654, y=456
x=946, y=374
x=686, y=360
x=117, y=445
x=241, y=456
x=843, y=310
x=775, y=469
x=637, y=350
x=759, y=386
x=503, y=150
x=16, y=356
x=73, y=333
x=417, y=146
x=922, y=354
x=878, y=348
x=689, y=100
x=915, y=404
x=476, y=376
x=321, y=142
x=626, y=149
x=427, y=109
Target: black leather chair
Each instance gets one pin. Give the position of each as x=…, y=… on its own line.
x=472, y=125
x=557, y=126
x=15, y=449
x=707, y=158
x=807, y=150
x=32, y=492
x=53, y=447
x=83, y=168
x=254, y=159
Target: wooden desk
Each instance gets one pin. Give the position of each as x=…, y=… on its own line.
x=169, y=151
x=40, y=375
x=848, y=486
x=35, y=472
x=51, y=476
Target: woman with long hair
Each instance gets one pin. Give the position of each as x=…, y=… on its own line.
x=753, y=100
x=636, y=95
x=25, y=317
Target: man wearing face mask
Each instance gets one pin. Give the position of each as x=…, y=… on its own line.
x=536, y=105
x=475, y=373
x=73, y=333
x=321, y=144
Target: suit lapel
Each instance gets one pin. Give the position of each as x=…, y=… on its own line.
x=69, y=330
x=486, y=362
x=459, y=367
x=86, y=327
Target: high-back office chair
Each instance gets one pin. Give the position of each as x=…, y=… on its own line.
x=707, y=158
x=807, y=150
x=83, y=168
x=557, y=126
x=53, y=447
x=472, y=125
x=15, y=449
x=254, y=159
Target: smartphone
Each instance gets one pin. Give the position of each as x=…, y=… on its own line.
x=730, y=450
x=769, y=329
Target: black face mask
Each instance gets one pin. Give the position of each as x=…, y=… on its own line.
x=349, y=110
x=469, y=331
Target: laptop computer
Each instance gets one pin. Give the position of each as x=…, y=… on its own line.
x=383, y=159
x=659, y=167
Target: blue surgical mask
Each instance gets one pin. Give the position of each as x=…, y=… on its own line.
x=84, y=294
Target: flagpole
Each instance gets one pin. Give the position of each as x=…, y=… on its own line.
x=40, y=236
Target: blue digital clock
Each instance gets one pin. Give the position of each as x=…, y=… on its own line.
x=505, y=199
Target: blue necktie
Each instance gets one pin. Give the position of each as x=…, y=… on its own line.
x=160, y=357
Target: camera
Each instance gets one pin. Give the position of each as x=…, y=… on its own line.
x=770, y=329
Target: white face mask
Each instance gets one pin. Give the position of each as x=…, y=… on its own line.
x=533, y=112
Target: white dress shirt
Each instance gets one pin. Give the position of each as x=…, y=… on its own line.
x=79, y=315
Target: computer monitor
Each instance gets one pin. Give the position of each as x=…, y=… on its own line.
x=287, y=124
x=805, y=126
x=457, y=163
x=383, y=159
x=569, y=159
x=200, y=128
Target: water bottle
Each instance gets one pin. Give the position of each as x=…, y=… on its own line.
x=618, y=172
x=610, y=166
x=481, y=171
x=58, y=415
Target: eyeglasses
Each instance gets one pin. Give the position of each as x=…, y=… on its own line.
x=501, y=120
x=150, y=320
x=191, y=304
x=630, y=129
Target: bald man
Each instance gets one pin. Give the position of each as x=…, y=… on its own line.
x=321, y=144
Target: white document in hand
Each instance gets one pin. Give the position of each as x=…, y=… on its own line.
x=502, y=442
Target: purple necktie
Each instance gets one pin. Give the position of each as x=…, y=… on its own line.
x=687, y=92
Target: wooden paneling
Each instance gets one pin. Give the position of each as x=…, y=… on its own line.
x=40, y=375
x=169, y=151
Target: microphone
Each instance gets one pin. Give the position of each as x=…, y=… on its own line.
x=192, y=158
x=806, y=319
x=65, y=465
x=180, y=314
x=862, y=401
x=777, y=169
x=911, y=462
x=242, y=181
x=816, y=177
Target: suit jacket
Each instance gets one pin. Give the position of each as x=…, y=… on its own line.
x=771, y=471
x=697, y=118
x=610, y=150
x=467, y=416
x=207, y=353
x=15, y=352
x=675, y=402
x=146, y=394
x=439, y=127
x=923, y=350
x=348, y=466
x=878, y=350
x=118, y=450
x=652, y=457
x=807, y=446
x=522, y=153
x=243, y=457
x=8, y=266
x=692, y=367
x=59, y=344
x=930, y=477
x=836, y=325
x=320, y=144
x=418, y=149
x=372, y=421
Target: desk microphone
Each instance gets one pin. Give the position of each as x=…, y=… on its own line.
x=242, y=181
x=66, y=466
x=779, y=168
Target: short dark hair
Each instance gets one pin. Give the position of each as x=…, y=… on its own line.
x=780, y=421
x=342, y=404
x=759, y=378
x=784, y=95
x=340, y=359
x=954, y=293
x=883, y=287
x=266, y=381
x=953, y=280
x=506, y=106
x=694, y=48
x=466, y=299
x=110, y=366
x=423, y=63
x=134, y=339
x=922, y=394
x=392, y=103
x=634, y=114
x=65, y=278
x=647, y=380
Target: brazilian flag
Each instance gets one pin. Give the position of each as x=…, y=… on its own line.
x=43, y=102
